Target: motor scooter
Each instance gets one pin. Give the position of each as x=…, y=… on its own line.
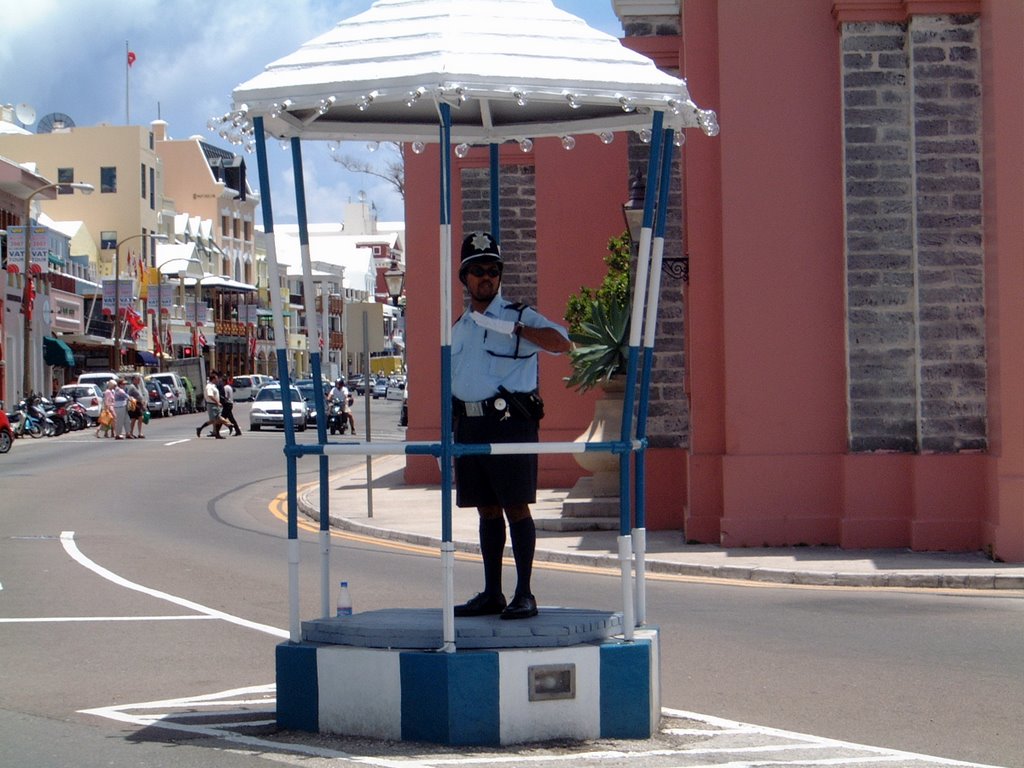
x=6, y=433
x=337, y=423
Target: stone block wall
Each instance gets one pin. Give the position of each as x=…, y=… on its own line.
x=915, y=298
x=518, y=192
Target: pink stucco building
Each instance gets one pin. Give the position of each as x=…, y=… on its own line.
x=844, y=365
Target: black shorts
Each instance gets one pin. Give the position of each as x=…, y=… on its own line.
x=505, y=480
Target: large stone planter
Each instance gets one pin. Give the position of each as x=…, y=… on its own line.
x=605, y=426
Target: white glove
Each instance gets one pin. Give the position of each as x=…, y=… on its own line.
x=506, y=327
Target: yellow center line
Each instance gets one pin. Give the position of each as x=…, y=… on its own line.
x=279, y=508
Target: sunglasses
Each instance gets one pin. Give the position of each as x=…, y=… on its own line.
x=481, y=271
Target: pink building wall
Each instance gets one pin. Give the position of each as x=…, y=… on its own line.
x=768, y=462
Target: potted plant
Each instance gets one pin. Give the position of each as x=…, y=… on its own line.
x=599, y=322
x=599, y=329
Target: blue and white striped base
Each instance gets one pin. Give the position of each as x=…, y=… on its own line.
x=469, y=697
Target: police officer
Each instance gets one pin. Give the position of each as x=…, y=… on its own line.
x=494, y=385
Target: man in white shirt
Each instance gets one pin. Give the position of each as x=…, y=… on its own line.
x=213, y=408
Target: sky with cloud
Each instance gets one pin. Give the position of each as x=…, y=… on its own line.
x=70, y=57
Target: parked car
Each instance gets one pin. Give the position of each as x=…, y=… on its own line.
x=193, y=400
x=380, y=388
x=88, y=396
x=356, y=384
x=394, y=391
x=156, y=401
x=268, y=410
x=99, y=378
x=246, y=387
x=177, y=386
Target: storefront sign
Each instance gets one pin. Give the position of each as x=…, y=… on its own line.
x=68, y=311
x=125, y=294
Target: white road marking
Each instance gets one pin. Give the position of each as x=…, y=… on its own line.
x=51, y=619
x=260, y=700
x=179, y=442
x=183, y=715
x=67, y=539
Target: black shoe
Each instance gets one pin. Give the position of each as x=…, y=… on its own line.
x=199, y=431
x=238, y=433
x=220, y=437
x=520, y=608
x=483, y=604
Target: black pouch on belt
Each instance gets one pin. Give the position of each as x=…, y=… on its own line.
x=528, y=404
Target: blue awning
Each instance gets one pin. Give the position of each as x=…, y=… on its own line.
x=56, y=352
x=143, y=357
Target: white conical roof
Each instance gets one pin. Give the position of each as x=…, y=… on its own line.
x=511, y=69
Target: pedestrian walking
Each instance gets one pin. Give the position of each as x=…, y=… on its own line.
x=120, y=410
x=211, y=395
x=105, y=421
x=136, y=407
x=227, y=393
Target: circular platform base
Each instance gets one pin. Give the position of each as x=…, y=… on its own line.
x=421, y=629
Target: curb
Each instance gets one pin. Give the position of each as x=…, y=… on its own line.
x=883, y=579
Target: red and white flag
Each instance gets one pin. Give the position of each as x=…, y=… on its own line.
x=202, y=339
x=131, y=58
x=252, y=347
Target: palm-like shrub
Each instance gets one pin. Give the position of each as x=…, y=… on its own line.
x=599, y=322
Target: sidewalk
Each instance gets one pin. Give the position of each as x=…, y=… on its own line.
x=412, y=514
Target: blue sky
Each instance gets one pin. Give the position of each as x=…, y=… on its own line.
x=69, y=57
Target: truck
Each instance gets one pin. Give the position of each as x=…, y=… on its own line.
x=193, y=369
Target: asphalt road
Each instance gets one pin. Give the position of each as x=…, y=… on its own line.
x=142, y=578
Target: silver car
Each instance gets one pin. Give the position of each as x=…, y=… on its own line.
x=86, y=395
x=268, y=409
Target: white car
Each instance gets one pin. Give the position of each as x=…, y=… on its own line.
x=246, y=387
x=268, y=409
x=86, y=395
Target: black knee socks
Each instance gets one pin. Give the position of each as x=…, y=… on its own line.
x=524, y=542
x=492, y=549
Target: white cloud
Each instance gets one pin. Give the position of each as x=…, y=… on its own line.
x=69, y=57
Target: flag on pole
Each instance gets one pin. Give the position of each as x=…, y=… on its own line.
x=135, y=322
x=252, y=347
x=170, y=341
x=131, y=58
x=29, y=300
x=202, y=339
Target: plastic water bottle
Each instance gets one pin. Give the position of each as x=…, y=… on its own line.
x=344, y=601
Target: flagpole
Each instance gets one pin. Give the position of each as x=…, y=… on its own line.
x=127, y=66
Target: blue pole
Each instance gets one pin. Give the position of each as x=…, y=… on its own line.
x=291, y=461
x=650, y=330
x=447, y=438
x=495, y=191
x=639, y=289
x=314, y=333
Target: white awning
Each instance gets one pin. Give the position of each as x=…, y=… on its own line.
x=511, y=69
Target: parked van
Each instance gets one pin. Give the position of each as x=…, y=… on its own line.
x=99, y=378
x=174, y=381
x=246, y=387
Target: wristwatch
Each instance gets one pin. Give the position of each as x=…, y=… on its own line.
x=518, y=328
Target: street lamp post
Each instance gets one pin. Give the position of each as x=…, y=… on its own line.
x=26, y=379
x=194, y=269
x=117, y=290
x=394, y=278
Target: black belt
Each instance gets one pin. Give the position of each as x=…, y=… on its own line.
x=492, y=406
x=501, y=405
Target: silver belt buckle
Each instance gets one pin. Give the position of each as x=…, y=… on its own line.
x=474, y=409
